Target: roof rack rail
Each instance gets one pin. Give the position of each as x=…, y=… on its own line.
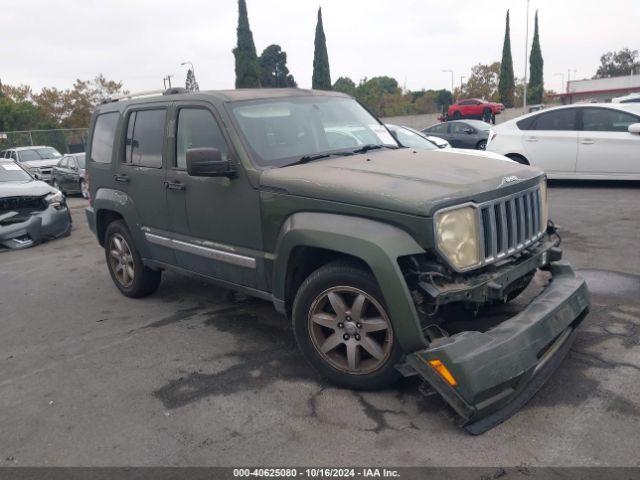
x=147, y=93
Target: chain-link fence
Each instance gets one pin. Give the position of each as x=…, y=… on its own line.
x=65, y=140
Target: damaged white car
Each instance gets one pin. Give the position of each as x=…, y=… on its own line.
x=31, y=211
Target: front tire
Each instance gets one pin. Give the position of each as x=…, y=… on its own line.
x=343, y=329
x=129, y=274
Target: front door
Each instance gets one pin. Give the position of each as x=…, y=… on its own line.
x=605, y=145
x=215, y=221
x=551, y=142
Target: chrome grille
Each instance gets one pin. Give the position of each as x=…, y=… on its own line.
x=510, y=224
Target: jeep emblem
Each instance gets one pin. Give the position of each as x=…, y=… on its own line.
x=509, y=179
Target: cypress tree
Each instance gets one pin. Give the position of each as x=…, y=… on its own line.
x=321, y=75
x=247, y=67
x=506, y=85
x=535, y=89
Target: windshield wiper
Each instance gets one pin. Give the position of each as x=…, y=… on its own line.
x=371, y=146
x=317, y=156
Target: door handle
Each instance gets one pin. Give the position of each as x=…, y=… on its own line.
x=532, y=139
x=587, y=141
x=175, y=185
x=121, y=178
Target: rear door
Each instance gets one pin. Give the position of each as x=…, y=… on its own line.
x=604, y=144
x=140, y=171
x=551, y=141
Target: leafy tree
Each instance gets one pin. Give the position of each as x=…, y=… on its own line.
x=620, y=63
x=321, y=75
x=444, y=98
x=535, y=89
x=506, y=83
x=247, y=67
x=483, y=82
x=345, y=85
x=273, y=68
x=191, y=84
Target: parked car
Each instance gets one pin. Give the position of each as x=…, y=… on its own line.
x=30, y=210
x=38, y=160
x=462, y=134
x=408, y=137
x=69, y=175
x=582, y=141
x=631, y=98
x=365, y=248
x=474, y=108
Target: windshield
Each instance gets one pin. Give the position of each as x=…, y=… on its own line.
x=411, y=139
x=10, y=172
x=280, y=131
x=43, y=153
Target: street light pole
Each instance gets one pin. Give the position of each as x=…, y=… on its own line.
x=452, y=81
x=462, y=77
x=526, y=60
x=192, y=68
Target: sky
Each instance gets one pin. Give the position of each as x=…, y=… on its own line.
x=139, y=42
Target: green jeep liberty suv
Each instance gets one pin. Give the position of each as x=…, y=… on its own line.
x=373, y=250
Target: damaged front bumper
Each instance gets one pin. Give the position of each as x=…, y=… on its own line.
x=494, y=373
x=52, y=222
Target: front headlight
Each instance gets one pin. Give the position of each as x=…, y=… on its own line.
x=56, y=199
x=544, y=206
x=457, y=236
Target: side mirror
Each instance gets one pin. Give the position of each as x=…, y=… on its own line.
x=634, y=128
x=208, y=162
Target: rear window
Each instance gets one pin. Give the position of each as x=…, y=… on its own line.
x=103, y=135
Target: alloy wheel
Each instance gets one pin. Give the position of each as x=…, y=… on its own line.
x=121, y=260
x=350, y=330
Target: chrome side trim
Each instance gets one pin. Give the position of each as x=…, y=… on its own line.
x=219, y=255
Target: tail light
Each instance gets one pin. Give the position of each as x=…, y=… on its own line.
x=492, y=135
x=86, y=179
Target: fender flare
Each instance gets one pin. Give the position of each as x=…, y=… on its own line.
x=121, y=203
x=377, y=244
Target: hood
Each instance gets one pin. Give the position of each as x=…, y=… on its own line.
x=404, y=180
x=33, y=188
x=47, y=162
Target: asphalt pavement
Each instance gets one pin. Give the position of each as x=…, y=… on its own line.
x=196, y=375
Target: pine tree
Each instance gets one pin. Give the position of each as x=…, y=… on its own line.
x=274, y=72
x=535, y=89
x=247, y=67
x=506, y=85
x=321, y=75
x=191, y=84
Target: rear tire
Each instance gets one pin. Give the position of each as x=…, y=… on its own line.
x=129, y=274
x=343, y=329
x=482, y=145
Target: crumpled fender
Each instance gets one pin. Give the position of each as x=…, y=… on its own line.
x=377, y=244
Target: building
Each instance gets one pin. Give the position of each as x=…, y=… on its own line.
x=599, y=89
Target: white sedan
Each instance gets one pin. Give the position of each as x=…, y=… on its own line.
x=588, y=141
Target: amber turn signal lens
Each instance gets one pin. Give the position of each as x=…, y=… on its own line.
x=443, y=371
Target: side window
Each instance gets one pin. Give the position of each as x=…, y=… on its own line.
x=14, y=156
x=102, y=138
x=465, y=102
x=145, y=138
x=197, y=128
x=563, y=119
x=442, y=128
x=606, y=120
x=457, y=127
x=64, y=162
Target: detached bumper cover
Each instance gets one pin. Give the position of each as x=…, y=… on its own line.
x=40, y=226
x=499, y=370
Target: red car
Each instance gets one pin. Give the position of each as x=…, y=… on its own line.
x=474, y=108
